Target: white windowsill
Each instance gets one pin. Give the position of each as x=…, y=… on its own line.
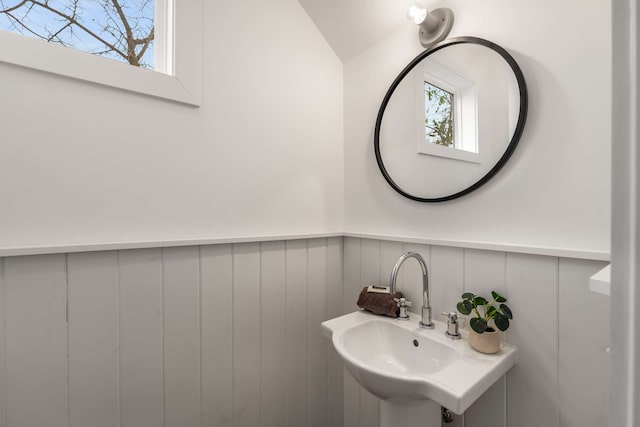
x=448, y=153
x=183, y=87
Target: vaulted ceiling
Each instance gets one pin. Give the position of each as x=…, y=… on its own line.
x=351, y=26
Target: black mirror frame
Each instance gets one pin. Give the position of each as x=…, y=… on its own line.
x=522, y=117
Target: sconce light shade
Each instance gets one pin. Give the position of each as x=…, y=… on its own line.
x=434, y=26
x=417, y=14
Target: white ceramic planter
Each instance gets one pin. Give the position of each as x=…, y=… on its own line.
x=487, y=342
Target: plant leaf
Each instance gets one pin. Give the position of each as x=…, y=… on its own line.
x=480, y=301
x=491, y=312
x=506, y=310
x=502, y=322
x=499, y=298
x=478, y=325
x=468, y=295
x=464, y=307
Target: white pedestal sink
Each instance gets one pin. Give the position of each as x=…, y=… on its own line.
x=414, y=370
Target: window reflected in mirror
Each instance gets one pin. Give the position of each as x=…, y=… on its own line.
x=446, y=112
x=438, y=122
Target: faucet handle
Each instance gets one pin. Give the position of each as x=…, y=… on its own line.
x=451, y=315
x=453, y=323
x=403, y=303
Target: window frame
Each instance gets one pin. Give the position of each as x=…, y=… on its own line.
x=182, y=84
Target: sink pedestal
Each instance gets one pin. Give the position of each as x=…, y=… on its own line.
x=425, y=413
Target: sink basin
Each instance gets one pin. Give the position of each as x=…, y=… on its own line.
x=404, y=364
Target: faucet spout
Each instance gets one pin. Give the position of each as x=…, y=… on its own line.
x=426, y=321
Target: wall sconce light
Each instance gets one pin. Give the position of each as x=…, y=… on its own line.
x=434, y=25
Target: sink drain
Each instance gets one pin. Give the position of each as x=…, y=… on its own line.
x=416, y=343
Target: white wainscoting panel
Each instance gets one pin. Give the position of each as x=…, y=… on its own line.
x=532, y=289
x=370, y=266
x=297, y=352
x=273, y=338
x=316, y=343
x=216, y=336
x=211, y=336
x=246, y=334
x=93, y=338
x=36, y=341
x=335, y=387
x=181, y=336
x=352, y=287
x=584, y=339
x=484, y=271
x=447, y=278
x=140, y=335
x=228, y=335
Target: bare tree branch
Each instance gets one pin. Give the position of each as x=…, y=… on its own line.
x=74, y=21
x=146, y=42
x=16, y=7
x=120, y=34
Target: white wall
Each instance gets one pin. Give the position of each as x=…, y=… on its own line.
x=81, y=163
x=555, y=190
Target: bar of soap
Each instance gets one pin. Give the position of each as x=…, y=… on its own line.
x=378, y=289
x=379, y=303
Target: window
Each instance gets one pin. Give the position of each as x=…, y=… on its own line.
x=446, y=105
x=146, y=46
x=438, y=121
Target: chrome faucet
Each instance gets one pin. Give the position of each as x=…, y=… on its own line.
x=426, y=304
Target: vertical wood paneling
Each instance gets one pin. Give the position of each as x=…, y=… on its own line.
x=351, y=390
x=584, y=337
x=216, y=348
x=370, y=257
x=413, y=276
x=389, y=254
x=246, y=334
x=198, y=341
x=317, y=345
x=369, y=409
x=296, y=357
x=141, y=338
x=484, y=271
x=352, y=283
x=93, y=339
x=36, y=341
x=273, y=344
x=447, y=278
x=3, y=380
x=489, y=410
x=335, y=391
x=352, y=287
x=532, y=290
x=181, y=340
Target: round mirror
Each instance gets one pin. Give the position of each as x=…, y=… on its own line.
x=450, y=120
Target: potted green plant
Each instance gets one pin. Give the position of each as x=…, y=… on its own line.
x=483, y=336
